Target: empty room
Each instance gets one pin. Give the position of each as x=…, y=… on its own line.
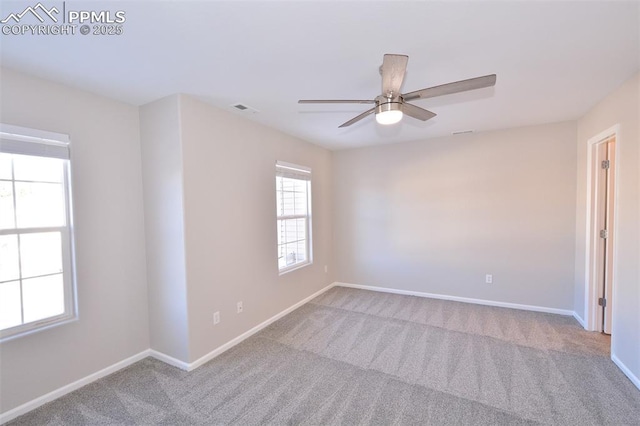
x=320, y=212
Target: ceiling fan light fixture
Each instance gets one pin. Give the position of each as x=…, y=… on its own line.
x=388, y=113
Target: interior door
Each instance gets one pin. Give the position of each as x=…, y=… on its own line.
x=608, y=260
x=604, y=165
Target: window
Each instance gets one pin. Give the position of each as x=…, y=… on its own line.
x=293, y=211
x=36, y=275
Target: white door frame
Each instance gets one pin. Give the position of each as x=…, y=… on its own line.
x=591, y=286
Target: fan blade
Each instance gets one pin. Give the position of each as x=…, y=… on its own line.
x=450, y=88
x=335, y=101
x=358, y=118
x=417, y=112
x=392, y=70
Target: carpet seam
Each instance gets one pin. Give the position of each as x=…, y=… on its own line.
x=444, y=328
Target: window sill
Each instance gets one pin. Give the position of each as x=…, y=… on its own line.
x=294, y=268
x=38, y=327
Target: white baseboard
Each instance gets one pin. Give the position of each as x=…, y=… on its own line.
x=460, y=299
x=214, y=353
x=35, y=403
x=626, y=371
x=169, y=359
x=580, y=320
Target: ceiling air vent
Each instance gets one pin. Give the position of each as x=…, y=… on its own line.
x=244, y=108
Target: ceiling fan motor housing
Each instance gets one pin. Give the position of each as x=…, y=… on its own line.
x=384, y=104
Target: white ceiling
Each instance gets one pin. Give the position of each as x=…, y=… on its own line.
x=554, y=60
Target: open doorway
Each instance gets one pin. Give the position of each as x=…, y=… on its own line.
x=601, y=196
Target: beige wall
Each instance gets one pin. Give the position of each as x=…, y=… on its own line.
x=436, y=216
x=230, y=223
x=109, y=234
x=209, y=186
x=620, y=107
x=164, y=226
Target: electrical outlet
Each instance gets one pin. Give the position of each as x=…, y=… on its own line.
x=216, y=317
x=488, y=279
x=240, y=308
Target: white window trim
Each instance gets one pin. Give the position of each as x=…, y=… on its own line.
x=26, y=141
x=296, y=171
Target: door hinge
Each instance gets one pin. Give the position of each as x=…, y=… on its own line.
x=602, y=302
x=605, y=164
x=604, y=234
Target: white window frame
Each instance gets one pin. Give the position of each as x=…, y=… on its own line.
x=39, y=143
x=295, y=171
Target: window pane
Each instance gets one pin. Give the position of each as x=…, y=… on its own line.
x=43, y=297
x=9, y=265
x=291, y=197
x=5, y=166
x=41, y=169
x=291, y=254
x=10, y=305
x=288, y=184
x=41, y=254
x=288, y=207
x=291, y=231
x=301, y=251
x=39, y=204
x=292, y=246
x=301, y=229
x=300, y=185
x=301, y=203
x=7, y=218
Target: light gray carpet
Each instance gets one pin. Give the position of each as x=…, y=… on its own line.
x=360, y=357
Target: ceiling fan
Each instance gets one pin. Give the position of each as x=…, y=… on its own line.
x=391, y=105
